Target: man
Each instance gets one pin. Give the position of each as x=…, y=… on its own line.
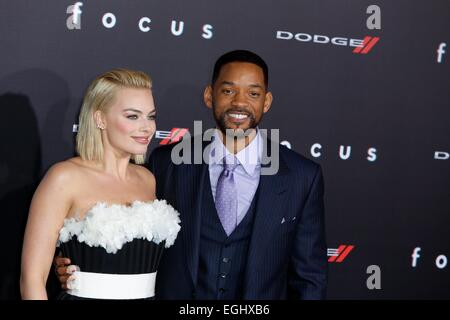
x=244, y=234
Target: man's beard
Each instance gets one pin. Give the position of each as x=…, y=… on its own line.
x=238, y=132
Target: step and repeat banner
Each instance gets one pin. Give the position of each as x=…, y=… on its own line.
x=361, y=87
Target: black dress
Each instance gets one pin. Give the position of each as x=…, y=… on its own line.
x=118, y=240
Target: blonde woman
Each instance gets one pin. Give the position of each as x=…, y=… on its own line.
x=99, y=207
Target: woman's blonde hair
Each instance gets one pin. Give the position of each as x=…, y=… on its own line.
x=98, y=97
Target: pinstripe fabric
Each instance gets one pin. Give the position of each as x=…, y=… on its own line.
x=287, y=251
x=222, y=259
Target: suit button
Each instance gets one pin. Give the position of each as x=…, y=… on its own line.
x=193, y=294
x=223, y=275
x=226, y=260
x=222, y=290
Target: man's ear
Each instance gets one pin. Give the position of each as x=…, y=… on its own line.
x=268, y=101
x=207, y=97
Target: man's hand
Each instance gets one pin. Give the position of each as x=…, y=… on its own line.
x=64, y=270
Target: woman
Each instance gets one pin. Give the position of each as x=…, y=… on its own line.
x=99, y=207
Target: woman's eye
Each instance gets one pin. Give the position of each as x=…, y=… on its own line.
x=132, y=117
x=151, y=117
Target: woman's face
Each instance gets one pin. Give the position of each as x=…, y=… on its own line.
x=130, y=121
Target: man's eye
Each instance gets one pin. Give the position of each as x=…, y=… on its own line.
x=227, y=91
x=255, y=94
x=132, y=117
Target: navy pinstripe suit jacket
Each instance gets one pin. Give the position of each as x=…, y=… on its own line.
x=287, y=257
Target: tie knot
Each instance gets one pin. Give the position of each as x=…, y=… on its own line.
x=230, y=163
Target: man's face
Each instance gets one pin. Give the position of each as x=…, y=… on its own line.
x=239, y=97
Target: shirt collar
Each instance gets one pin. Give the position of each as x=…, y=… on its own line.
x=249, y=157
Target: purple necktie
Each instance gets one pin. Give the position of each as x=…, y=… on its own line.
x=226, y=195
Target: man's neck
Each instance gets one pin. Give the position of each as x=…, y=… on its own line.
x=235, y=145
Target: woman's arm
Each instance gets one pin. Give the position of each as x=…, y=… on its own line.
x=50, y=205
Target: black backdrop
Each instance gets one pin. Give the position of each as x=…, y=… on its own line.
x=386, y=112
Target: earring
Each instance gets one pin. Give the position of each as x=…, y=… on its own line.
x=101, y=127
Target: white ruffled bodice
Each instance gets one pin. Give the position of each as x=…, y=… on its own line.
x=111, y=226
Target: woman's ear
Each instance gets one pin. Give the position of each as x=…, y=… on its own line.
x=99, y=121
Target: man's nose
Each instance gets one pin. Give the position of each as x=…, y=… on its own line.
x=239, y=99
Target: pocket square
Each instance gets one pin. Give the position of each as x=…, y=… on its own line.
x=288, y=219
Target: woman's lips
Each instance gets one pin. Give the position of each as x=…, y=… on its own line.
x=141, y=140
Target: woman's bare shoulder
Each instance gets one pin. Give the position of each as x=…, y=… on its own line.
x=144, y=174
x=58, y=185
x=65, y=171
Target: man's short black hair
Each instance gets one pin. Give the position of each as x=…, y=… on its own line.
x=240, y=56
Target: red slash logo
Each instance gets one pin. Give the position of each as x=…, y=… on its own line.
x=338, y=255
x=172, y=136
x=367, y=45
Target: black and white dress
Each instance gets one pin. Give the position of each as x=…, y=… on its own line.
x=118, y=249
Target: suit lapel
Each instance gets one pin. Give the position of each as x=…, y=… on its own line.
x=271, y=202
x=189, y=189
